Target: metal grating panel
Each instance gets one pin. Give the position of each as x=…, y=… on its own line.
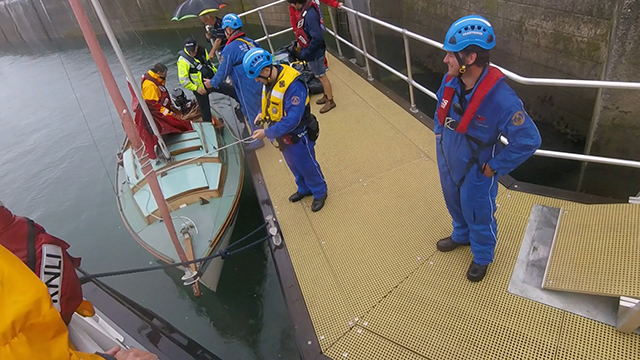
x=597, y=251
x=362, y=344
x=325, y=300
x=382, y=250
x=585, y=339
x=369, y=256
x=439, y=314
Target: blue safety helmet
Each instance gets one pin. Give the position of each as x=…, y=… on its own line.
x=470, y=30
x=231, y=20
x=255, y=60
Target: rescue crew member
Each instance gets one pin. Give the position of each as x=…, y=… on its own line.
x=476, y=107
x=308, y=30
x=30, y=326
x=47, y=257
x=194, y=65
x=293, y=16
x=249, y=92
x=166, y=117
x=286, y=109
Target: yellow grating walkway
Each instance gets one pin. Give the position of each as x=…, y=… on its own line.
x=609, y=268
x=374, y=284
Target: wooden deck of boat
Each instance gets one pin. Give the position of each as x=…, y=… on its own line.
x=372, y=279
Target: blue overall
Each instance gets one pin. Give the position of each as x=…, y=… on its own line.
x=249, y=91
x=300, y=157
x=469, y=194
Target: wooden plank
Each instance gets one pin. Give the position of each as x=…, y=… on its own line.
x=185, y=136
x=185, y=149
x=186, y=200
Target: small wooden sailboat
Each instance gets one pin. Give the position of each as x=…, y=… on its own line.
x=186, y=207
x=201, y=187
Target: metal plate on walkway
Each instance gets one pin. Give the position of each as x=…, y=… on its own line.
x=597, y=251
x=528, y=274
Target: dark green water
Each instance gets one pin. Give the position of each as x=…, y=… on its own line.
x=53, y=172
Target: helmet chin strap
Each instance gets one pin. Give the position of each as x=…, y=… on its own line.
x=268, y=79
x=463, y=67
x=461, y=86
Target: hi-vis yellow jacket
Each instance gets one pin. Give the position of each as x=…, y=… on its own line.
x=189, y=70
x=30, y=327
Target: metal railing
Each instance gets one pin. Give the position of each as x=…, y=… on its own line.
x=406, y=35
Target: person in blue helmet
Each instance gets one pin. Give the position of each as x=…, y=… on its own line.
x=248, y=91
x=287, y=112
x=476, y=107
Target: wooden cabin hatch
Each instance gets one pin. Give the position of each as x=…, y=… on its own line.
x=184, y=181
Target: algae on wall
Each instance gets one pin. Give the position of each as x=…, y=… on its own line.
x=535, y=38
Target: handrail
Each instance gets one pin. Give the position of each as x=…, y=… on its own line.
x=602, y=84
x=581, y=157
x=275, y=34
x=520, y=79
x=260, y=8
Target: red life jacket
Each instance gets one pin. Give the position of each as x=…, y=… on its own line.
x=164, y=100
x=493, y=76
x=47, y=257
x=297, y=18
x=235, y=36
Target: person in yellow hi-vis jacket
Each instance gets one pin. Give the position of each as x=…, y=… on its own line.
x=30, y=327
x=194, y=65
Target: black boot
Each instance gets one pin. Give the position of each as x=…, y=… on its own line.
x=297, y=197
x=317, y=204
x=447, y=244
x=476, y=272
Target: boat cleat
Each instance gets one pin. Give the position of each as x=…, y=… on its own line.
x=190, y=277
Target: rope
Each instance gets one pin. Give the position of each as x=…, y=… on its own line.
x=223, y=254
x=95, y=143
x=246, y=236
x=113, y=124
x=201, y=156
x=130, y=25
x=164, y=10
x=236, y=124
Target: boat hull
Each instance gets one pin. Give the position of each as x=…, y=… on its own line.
x=212, y=269
x=202, y=187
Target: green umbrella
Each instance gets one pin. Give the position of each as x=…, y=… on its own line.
x=195, y=8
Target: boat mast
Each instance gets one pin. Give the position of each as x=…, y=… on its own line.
x=135, y=85
x=127, y=121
